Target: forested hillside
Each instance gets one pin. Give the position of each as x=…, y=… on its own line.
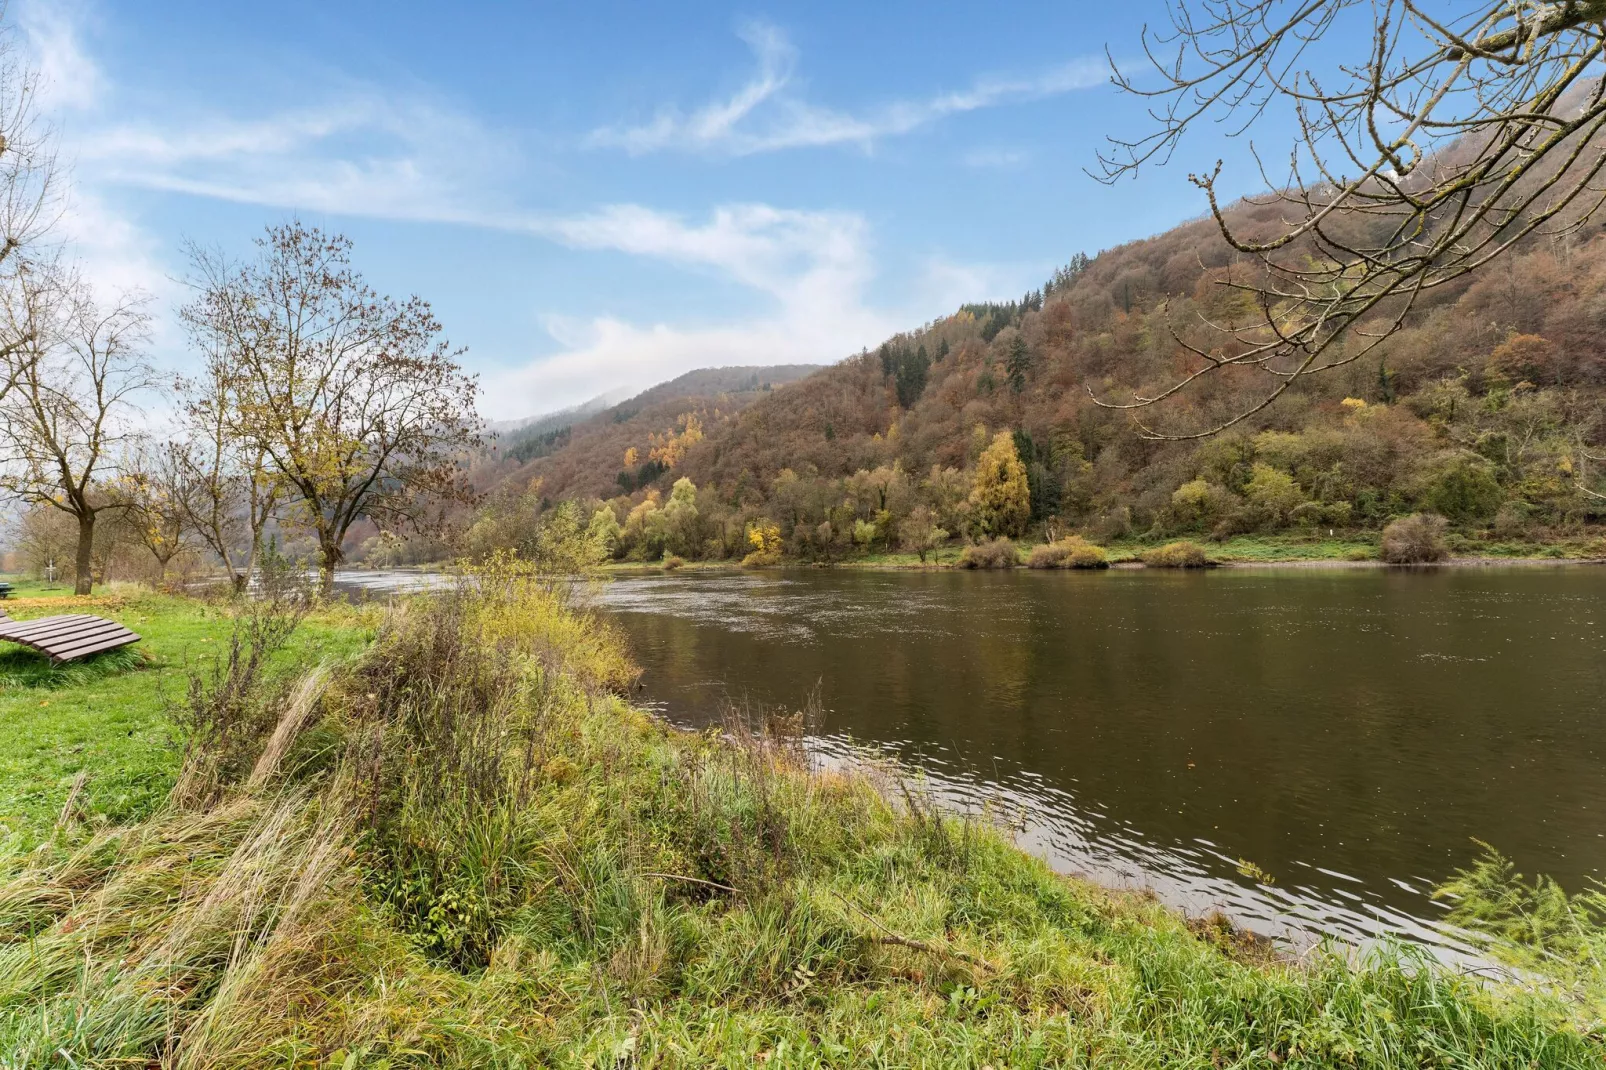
x=1486, y=408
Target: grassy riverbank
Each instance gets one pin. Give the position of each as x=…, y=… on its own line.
x=1361, y=548
x=458, y=845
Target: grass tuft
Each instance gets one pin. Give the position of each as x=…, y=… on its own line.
x=24, y=668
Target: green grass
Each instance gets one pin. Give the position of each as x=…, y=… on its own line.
x=107, y=716
x=1274, y=548
x=482, y=856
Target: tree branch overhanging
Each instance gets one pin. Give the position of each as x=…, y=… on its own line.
x=1451, y=141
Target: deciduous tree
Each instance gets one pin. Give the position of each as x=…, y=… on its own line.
x=66, y=425
x=356, y=402
x=1000, y=498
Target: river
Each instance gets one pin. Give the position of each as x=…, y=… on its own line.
x=1347, y=733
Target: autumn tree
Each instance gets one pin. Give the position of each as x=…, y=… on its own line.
x=358, y=405
x=918, y=532
x=30, y=207
x=680, y=518
x=1000, y=498
x=155, y=488
x=229, y=493
x=66, y=424
x=604, y=530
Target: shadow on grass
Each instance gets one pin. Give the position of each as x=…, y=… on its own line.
x=21, y=667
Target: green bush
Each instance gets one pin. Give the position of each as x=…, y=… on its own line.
x=1176, y=555
x=1322, y=514
x=1417, y=539
x=997, y=553
x=1465, y=490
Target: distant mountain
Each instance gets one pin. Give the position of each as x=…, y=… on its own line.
x=547, y=421
x=718, y=393
x=708, y=382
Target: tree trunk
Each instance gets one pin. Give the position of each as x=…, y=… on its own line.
x=329, y=556
x=242, y=577
x=84, y=574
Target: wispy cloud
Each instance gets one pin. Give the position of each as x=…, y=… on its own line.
x=68, y=77
x=360, y=153
x=764, y=115
x=357, y=150
x=813, y=268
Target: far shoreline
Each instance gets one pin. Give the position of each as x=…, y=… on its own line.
x=655, y=567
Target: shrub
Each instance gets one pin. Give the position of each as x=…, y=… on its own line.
x=1466, y=490
x=1115, y=524
x=1414, y=540
x=998, y=553
x=672, y=562
x=1069, y=552
x=1176, y=555
x=1200, y=503
x=764, y=536
x=1511, y=522
x=1322, y=514
x=1274, y=491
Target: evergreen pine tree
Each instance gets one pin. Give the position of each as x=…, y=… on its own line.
x=1018, y=363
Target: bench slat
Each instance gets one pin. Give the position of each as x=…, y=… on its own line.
x=65, y=644
x=67, y=636
x=48, y=625
x=59, y=633
x=110, y=642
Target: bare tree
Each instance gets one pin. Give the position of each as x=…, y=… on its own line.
x=155, y=485
x=66, y=420
x=228, y=492
x=354, y=399
x=30, y=206
x=1457, y=135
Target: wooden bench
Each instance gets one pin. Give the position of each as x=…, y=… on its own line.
x=66, y=637
x=5, y=590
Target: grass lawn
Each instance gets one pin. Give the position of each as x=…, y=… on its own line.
x=107, y=716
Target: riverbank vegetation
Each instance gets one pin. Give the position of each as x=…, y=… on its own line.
x=439, y=835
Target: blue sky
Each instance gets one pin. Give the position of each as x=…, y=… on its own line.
x=601, y=195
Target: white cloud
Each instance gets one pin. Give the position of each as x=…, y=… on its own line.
x=364, y=153
x=68, y=78
x=763, y=116
x=813, y=267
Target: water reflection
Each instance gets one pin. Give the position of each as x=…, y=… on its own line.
x=1349, y=732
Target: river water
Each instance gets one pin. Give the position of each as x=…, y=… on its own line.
x=1348, y=732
